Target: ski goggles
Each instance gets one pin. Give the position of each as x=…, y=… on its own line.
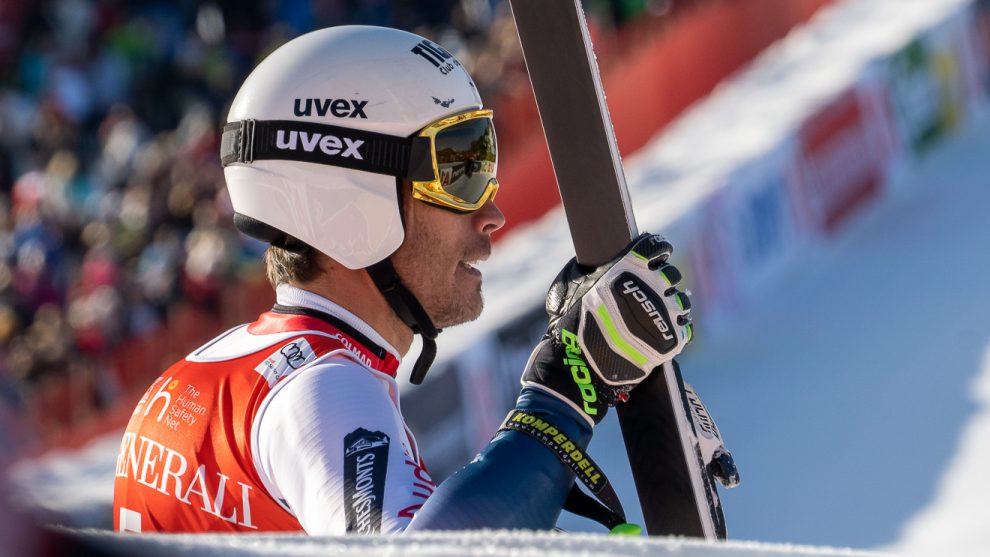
x=451, y=162
x=464, y=158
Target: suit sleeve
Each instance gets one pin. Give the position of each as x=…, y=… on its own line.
x=332, y=448
x=514, y=483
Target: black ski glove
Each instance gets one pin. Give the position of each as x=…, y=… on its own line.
x=610, y=327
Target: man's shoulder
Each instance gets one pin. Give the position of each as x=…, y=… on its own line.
x=318, y=388
x=241, y=341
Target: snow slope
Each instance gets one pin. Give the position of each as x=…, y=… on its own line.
x=468, y=544
x=955, y=521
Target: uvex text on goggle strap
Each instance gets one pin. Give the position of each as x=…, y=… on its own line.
x=451, y=162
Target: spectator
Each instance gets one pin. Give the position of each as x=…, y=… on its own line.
x=112, y=205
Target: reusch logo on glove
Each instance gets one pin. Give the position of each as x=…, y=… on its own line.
x=579, y=370
x=644, y=314
x=329, y=144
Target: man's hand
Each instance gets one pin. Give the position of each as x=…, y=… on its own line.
x=610, y=327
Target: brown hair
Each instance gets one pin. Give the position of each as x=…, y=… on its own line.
x=282, y=265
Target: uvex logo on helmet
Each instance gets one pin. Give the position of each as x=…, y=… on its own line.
x=341, y=108
x=329, y=144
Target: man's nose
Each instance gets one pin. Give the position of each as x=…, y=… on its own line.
x=489, y=218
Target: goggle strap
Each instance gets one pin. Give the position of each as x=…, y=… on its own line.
x=247, y=141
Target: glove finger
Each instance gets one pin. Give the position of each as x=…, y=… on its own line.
x=652, y=247
x=684, y=320
x=673, y=277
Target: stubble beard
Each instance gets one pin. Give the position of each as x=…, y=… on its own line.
x=446, y=301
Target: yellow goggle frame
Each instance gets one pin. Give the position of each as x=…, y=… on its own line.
x=432, y=191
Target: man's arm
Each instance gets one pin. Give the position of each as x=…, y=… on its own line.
x=610, y=327
x=515, y=483
x=332, y=447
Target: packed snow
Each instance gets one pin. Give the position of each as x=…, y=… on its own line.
x=450, y=544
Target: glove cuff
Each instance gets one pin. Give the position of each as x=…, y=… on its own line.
x=560, y=369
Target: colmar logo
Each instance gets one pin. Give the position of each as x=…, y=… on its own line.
x=341, y=108
x=329, y=144
x=630, y=287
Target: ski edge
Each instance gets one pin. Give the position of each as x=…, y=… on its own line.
x=706, y=497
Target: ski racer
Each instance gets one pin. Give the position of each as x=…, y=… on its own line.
x=365, y=158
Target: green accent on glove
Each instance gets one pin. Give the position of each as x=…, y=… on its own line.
x=620, y=342
x=643, y=257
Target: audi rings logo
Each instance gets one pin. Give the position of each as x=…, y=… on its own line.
x=294, y=355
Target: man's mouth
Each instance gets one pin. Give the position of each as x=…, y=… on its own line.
x=468, y=264
x=474, y=257
x=469, y=268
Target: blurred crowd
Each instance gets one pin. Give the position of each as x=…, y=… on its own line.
x=112, y=205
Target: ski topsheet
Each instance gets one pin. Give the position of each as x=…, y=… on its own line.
x=675, y=486
x=577, y=126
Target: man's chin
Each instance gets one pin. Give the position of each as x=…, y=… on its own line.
x=465, y=314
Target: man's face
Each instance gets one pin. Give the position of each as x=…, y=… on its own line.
x=435, y=260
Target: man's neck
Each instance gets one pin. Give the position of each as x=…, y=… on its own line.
x=354, y=291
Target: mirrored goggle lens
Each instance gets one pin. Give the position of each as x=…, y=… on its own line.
x=467, y=158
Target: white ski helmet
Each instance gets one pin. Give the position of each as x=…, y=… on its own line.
x=375, y=79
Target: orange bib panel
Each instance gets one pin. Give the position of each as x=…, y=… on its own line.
x=185, y=462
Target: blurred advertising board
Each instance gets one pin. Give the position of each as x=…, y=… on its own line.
x=926, y=89
x=843, y=151
x=743, y=234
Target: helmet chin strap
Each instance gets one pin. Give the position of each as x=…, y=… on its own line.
x=410, y=311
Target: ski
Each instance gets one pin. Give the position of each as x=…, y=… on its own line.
x=675, y=484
